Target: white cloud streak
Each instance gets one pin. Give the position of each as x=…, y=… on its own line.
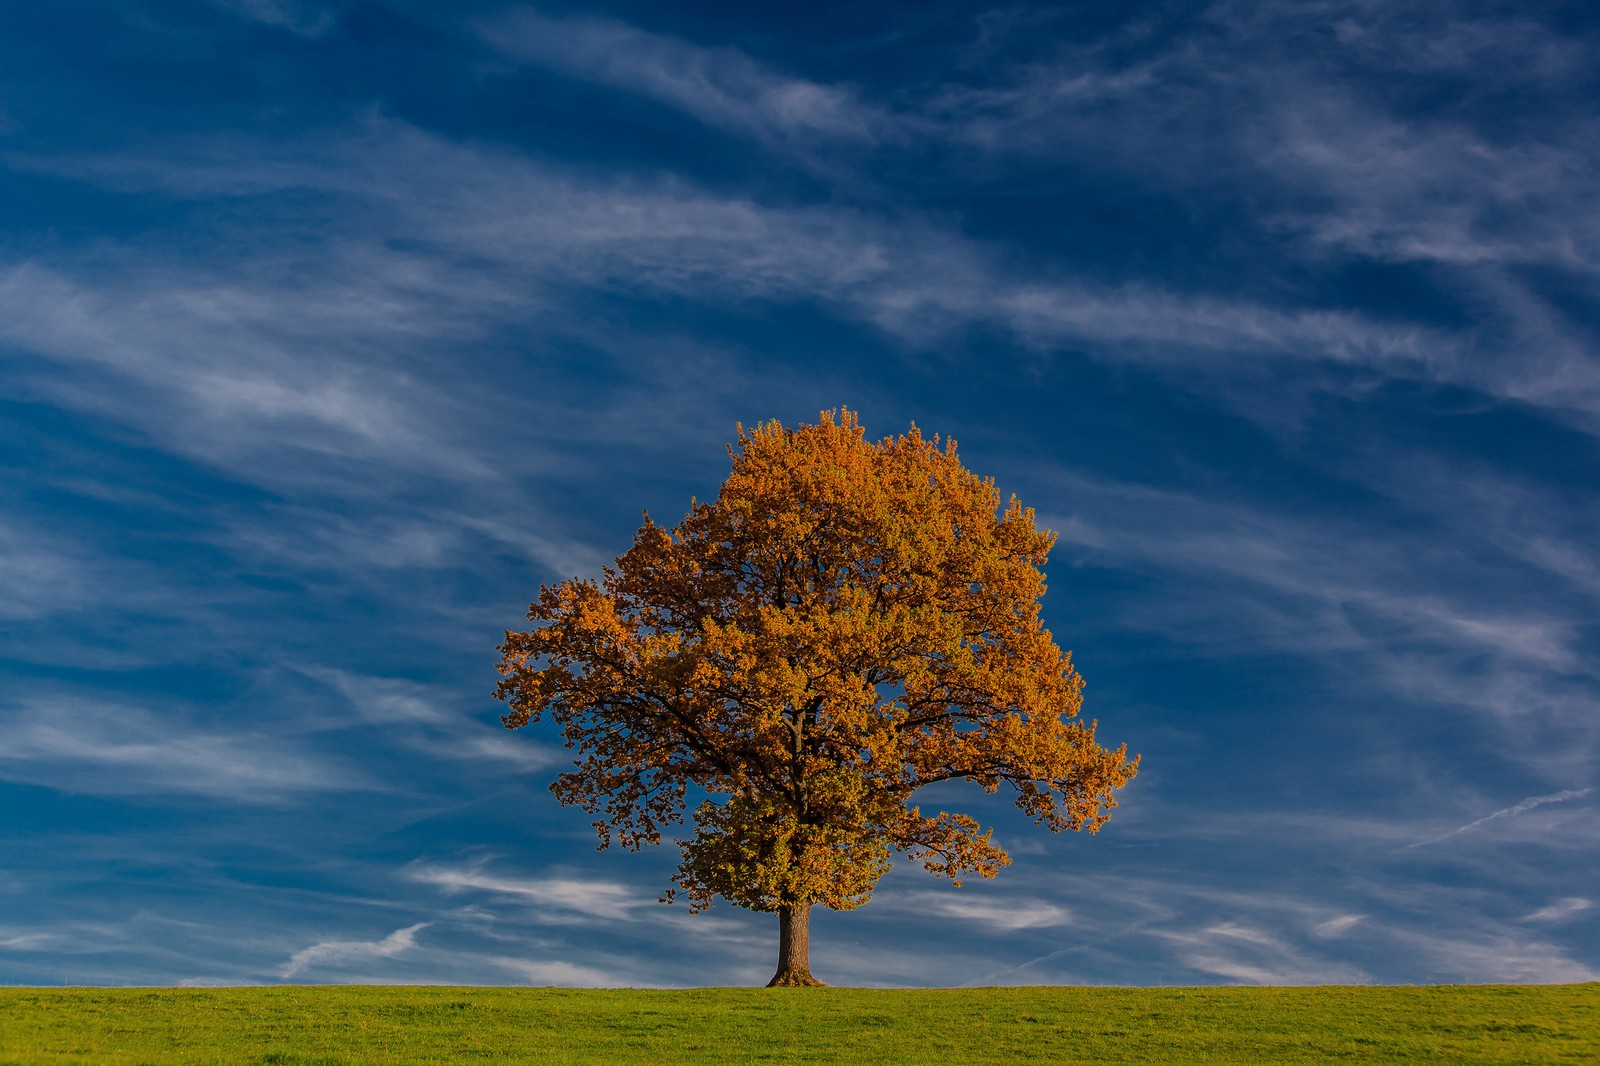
x=560, y=898
x=1407, y=606
x=721, y=87
x=1157, y=924
x=342, y=955
x=1355, y=176
x=1005, y=914
x=1512, y=811
x=99, y=749
x=1336, y=926
x=37, y=577
x=916, y=280
x=428, y=718
x=1563, y=910
x=552, y=972
x=1247, y=954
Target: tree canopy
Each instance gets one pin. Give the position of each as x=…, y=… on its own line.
x=847, y=622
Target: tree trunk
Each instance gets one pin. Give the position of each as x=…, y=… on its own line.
x=794, y=948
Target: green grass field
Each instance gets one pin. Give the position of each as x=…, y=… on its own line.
x=360, y=1024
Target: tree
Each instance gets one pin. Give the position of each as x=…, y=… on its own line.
x=846, y=623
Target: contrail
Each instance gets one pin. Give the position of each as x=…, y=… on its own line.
x=1526, y=805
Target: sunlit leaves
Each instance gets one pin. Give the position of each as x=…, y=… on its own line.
x=847, y=622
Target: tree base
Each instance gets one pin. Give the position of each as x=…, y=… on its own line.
x=794, y=979
x=794, y=948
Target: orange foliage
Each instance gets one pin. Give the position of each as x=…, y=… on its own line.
x=847, y=622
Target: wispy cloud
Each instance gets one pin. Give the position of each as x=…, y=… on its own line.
x=1495, y=957
x=1239, y=573
x=1336, y=926
x=1512, y=811
x=1248, y=954
x=223, y=376
x=1313, y=111
x=1350, y=172
x=562, y=898
x=341, y=955
x=1150, y=924
x=722, y=87
x=37, y=576
x=432, y=719
x=1562, y=910
x=915, y=279
x=555, y=972
x=387, y=701
x=297, y=16
x=87, y=746
x=224, y=367
x=1006, y=914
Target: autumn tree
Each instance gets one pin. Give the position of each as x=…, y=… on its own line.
x=846, y=623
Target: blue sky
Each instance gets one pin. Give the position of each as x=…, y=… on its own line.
x=329, y=331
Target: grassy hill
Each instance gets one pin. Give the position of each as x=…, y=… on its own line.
x=368, y=1024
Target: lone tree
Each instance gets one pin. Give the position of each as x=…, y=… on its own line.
x=846, y=623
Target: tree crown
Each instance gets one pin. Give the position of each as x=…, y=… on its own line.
x=846, y=623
